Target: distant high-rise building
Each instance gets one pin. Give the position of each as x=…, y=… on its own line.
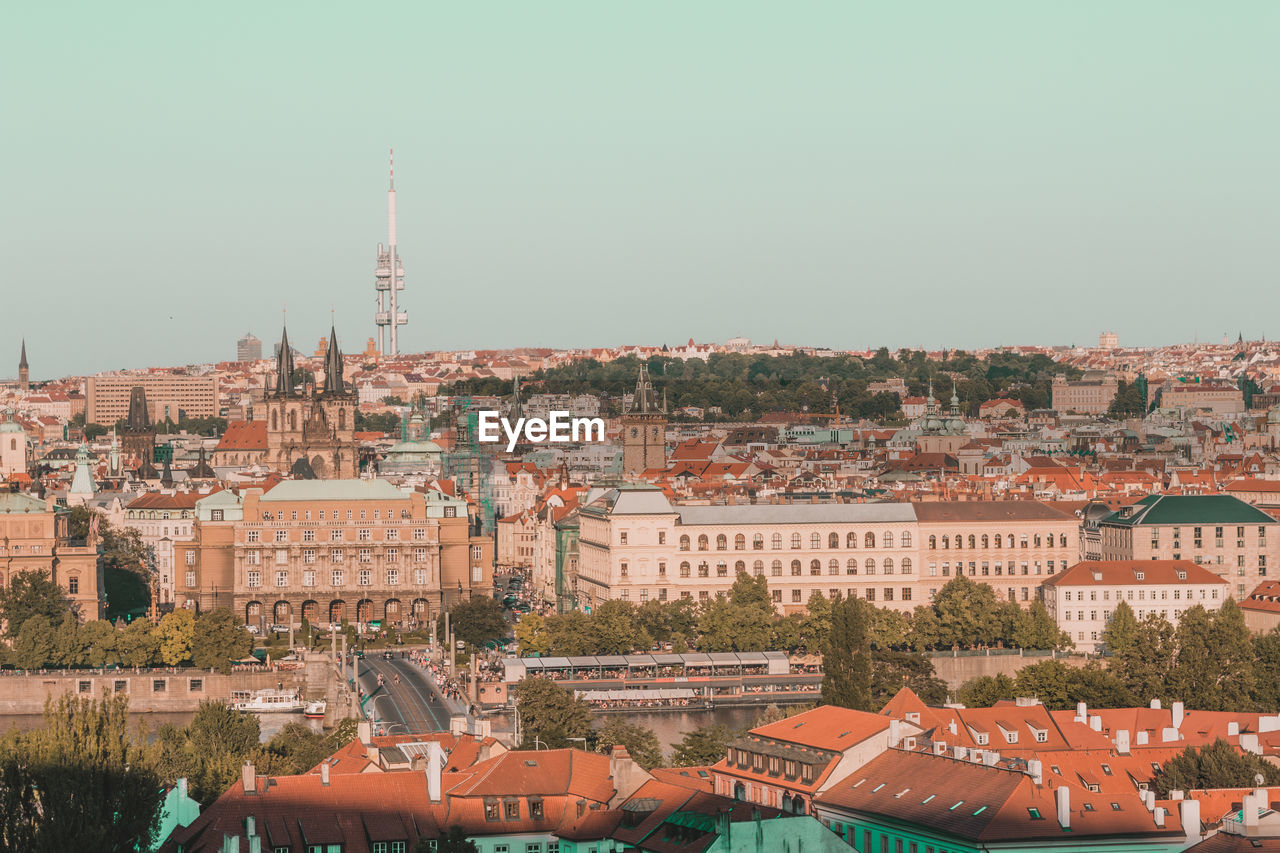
x=24, y=372
x=169, y=395
x=389, y=281
x=248, y=348
x=1108, y=340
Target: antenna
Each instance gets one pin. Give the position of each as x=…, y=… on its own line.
x=391, y=160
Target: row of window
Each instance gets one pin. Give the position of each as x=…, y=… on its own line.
x=775, y=541
x=336, y=555
x=337, y=577
x=335, y=514
x=336, y=534
x=984, y=541
x=798, y=596
x=1142, y=595
x=851, y=567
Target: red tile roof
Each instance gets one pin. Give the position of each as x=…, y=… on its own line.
x=244, y=435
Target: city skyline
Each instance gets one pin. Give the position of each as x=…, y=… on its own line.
x=847, y=164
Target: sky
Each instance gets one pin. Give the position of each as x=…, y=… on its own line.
x=844, y=174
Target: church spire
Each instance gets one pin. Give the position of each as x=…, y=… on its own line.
x=333, y=365
x=22, y=360
x=284, y=365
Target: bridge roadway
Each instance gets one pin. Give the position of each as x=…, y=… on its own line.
x=413, y=706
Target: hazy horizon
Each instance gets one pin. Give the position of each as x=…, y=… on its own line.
x=578, y=175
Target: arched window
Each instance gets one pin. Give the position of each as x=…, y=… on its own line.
x=740, y=542
x=795, y=567
x=869, y=540
x=739, y=791
x=739, y=568
x=997, y=540
x=815, y=540
x=833, y=541
x=851, y=541
x=795, y=540
x=275, y=424
x=851, y=568
x=684, y=543
x=833, y=567
x=906, y=539
x=722, y=542
x=888, y=566
x=1024, y=540
x=684, y=570
x=869, y=567
x=702, y=542
x=342, y=418
x=815, y=567
x=973, y=541
x=758, y=568
x=775, y=568
x=1062, y=540
x=985, y=541
x=1037, y=540
x=887, y=539
x=946, y=542
x=906, y=565
x=933, y=543
x=757, y=542
x=703, y=570
x=293, y=419
x=776, y=541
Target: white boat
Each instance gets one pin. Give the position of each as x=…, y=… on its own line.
x=269, y=701
x=314, y=710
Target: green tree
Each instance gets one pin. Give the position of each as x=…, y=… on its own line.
x=33, y=648
x=815, y=625
x=69, y=649
x=846, y=680
x=549, y=714
x=891, y=670
x=641, y=742
x=78, y=783
x=31, y=594
x=1218, y=765
x=218, y=639
x=293, y=750
x=1034, y=628
x=532, y=634
x=1144, y=665
x=967, y=613
x=1233, y=650
x=985, y=690
x=137, y=644
x=890, y=629
x=1122, y=631
x=1266, y=670
x=175, y=634
x=477, y=621
x=100, y=642
x=453, y=840
x=571, y=633
x=210, y=751
x=616, y=630
x=702, y=746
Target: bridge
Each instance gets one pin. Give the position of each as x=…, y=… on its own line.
x=412, y=706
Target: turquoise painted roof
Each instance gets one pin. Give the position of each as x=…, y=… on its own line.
x=1190, y=509
x=333, y=490
x=18, y=502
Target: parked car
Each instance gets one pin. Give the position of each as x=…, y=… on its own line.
x=279, y=629
x=252, y=629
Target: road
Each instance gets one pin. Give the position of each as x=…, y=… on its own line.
x=412, y=706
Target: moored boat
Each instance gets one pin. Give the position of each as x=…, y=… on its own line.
x=314, y=710
x=270, y=701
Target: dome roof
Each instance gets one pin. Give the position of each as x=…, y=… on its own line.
x=8, y=425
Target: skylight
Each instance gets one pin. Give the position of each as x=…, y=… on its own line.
x=1088, y=807
x=980, y=811
x=1035, y=814
x=878, y=787
x=927, y=799
x=957, y=804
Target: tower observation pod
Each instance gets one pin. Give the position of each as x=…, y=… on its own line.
x=389, y=279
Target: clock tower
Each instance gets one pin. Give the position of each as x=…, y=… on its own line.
x=644, y=430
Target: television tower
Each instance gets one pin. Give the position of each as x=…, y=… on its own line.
x=389, y=316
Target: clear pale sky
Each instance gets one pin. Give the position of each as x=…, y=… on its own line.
x=589, y=173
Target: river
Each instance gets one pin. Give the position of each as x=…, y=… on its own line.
x=669, y=726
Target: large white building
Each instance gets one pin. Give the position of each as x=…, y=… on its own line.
x=1083, y=599
x=635, y=545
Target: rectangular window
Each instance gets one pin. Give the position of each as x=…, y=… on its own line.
x=282, y=579
x=255, y=579
x=253, y=558
x=308, y=555
x=393, y=577
x=282, y=536
x=336, y=577
x=252, y=536
x=336, y=555
x=419, y=555
x=366, y=577
x=365, y=555
x=195, y=685
x=420, y=577
x=309, y=577
x=308, y=535
x=392, y=534
x=364, y=535
x=191, y=579
x=511, y=809
x=191, y=558
x=419, y=534
x=158, y=685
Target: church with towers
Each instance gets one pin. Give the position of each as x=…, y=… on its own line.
x=310, y=430
x=644, y=430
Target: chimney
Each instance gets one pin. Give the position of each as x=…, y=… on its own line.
x=230, y=844
x=324, y=772
x=722, y=825
x=1179, y=712
x=1159, y=816
x=364, y=732
x=1149, y=799
x=1155, y=704
x=255, y=844
x=1189, y=810
x=374, y=755
x=250, y=826
x=960, y=753
x=939, y=748
x=1249, y=743
x=1062, y=794
x=1249, y=809
x=991, y=758
x=1036, y=771
x=1122, y=741
x=182, y=788
x=895, y=733
x=1177, y=795
x=1095, y=723
x=951, y=727
x=249, y=779
x=1168, y=733
x=1141, y=738
x=1082, y=712
x=435, y=763
x=1233, y=728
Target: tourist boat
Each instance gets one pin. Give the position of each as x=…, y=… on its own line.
x=270, y=701
x=314, y=710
